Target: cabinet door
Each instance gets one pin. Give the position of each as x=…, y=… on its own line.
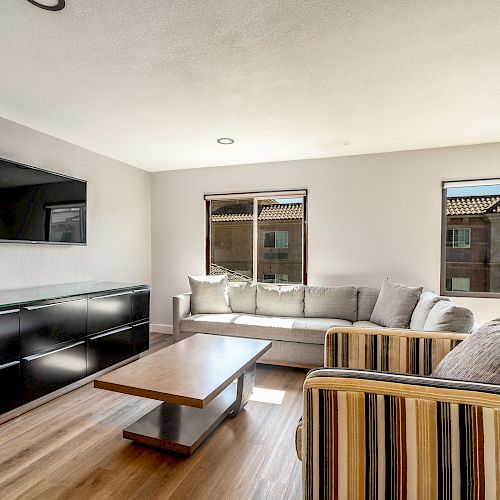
x=109, y=311
x=10, y=386
x=140, y=337
x=47, y=324
x=47, y=372
x=108, y=348
x=9, y=335
x=140, y=304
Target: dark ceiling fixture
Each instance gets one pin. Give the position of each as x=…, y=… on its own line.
x=225, y=140
x=49, y=4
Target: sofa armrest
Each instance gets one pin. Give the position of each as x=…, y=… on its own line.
x=181, y=310
x=381, y=435
x=386, y=349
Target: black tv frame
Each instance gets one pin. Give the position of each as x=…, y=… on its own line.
x=58, y=243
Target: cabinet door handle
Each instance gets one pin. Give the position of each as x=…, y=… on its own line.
x=111, y=295
x=38, y=356
x=9, y=311
x=8, y=365
x=44, y=306
x=142, y=323
x=112, y=332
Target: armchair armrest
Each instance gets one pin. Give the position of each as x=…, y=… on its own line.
x=181, y=310
x=385, y=349
x=381, y=435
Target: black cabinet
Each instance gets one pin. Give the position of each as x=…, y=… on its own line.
x=10, y=384
x=47, y=324
x=140, y=337
x=107, y=311
x=9, y=335
x=49, y=371
x=140, y=304
x=109, y=348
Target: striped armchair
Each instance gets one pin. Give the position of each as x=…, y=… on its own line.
x=372, y=434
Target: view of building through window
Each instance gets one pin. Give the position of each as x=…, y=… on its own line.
x=472, y=253
x=257, y=238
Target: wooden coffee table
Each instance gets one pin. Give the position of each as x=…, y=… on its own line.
x=194, y=378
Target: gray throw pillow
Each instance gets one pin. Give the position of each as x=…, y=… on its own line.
x=395, y=305
x=425, y=304
x=475, y=359
x=340, y=302
x=209, y=295
x=285, y=300
x=367, y=298
x=242, y=297
x=448, y=317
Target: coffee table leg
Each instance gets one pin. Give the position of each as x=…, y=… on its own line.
x=246, y=384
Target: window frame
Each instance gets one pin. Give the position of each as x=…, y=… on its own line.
x=257, y=196
x=444, y=230
x=453, y=229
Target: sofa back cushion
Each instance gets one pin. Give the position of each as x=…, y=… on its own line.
x=367, y=297
x=448, y=317
x=331, y=302
x=284, y=300
x=243, y=297
x=395, y=305
x=476, y=359
x=209, y=295
x=421, y=312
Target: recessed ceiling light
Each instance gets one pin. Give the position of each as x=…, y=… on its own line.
x=225, y=140
x=49, y=4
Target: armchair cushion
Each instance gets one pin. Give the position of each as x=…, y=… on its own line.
x=395, y=305
x=476, y=359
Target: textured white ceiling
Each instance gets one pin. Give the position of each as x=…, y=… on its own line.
x=155, y=82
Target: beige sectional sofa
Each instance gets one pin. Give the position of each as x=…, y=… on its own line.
x=296, y=318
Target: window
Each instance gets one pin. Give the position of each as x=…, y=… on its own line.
x=257, y=236
x=276, y=239
x=471, y=239
x=458, y=284
x=275, y=278
x=458, y=238
x=66, y=223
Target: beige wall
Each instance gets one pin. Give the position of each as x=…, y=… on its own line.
x=370, y=217
x=118, y=212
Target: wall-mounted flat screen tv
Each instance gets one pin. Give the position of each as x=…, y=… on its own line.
x=37, y=206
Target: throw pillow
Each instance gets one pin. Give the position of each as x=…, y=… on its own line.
x=242, y=297
x=426, y=302
x=284, y=300
x=209, y=294
x=340, y=302
x=448, y=317
x=395, y=305
x=367, y=298
x=475, y=359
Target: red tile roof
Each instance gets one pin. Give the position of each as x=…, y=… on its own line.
x=276, y=211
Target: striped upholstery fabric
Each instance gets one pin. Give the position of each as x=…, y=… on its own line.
x=384, y=349
x=378, y=436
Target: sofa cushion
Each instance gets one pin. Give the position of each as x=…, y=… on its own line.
x=421, y=312
x=367, y=297
x=448, y=317
x=476, y=359
x=366, y=324
x=284, y=300
x=209, y=294
x=304, y=330
x=395, y=305
x=242, y=297
x=331, y=302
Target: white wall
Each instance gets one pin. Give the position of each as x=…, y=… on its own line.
x=370, y=216
x=118, y=212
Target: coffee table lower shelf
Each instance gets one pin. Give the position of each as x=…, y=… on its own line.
x=182, y=429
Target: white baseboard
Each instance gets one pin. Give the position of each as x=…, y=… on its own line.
x=158, y=328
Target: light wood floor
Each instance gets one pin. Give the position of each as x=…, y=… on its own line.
x=72, y=447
